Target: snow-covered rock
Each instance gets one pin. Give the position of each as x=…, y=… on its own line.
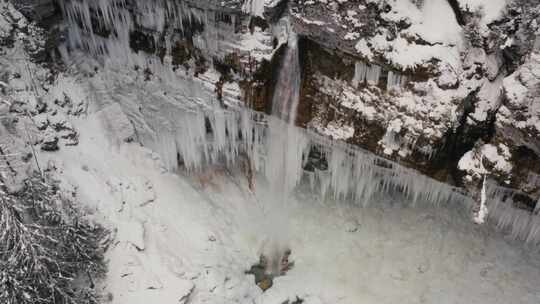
x=487, y=159
x=50, y=141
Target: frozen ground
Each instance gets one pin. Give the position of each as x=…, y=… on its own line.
x=189, y=238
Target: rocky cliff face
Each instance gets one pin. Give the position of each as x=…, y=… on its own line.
x=448, y=88
x=434, y=85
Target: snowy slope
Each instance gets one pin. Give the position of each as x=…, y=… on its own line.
x=198, y=234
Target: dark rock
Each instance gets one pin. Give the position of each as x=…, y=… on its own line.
x=36, y=9
x=296, y=301
x=41, y=107
x=50, y=142
x=454, y=4
x=70, y=137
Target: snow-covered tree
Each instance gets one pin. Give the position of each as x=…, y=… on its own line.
x=48, y=252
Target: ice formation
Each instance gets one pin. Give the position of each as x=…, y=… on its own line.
x=360, y=70
x=111, y=34
x=480, y=217
x=200, y=132
x=254, y=7
x=395, y=81
x=371, y=73
x=368, y=73
x=351, y=173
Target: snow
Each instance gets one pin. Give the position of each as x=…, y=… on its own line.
x=436, y=22
x=522, y=109
x=122, y=128
x=363, y=49
x=337, y=131
x=347, y=96
x=199, y=239
x=499, y=156
x=187, y=233
x=489, y=99
x=491, y=9
x=409, y=55
x=65, y=87
x=5, y=25
x=257, y=43
x=433, y=32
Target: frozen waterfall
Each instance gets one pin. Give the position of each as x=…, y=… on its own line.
x=199, y=132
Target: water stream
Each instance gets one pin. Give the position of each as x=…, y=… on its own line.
x=282, y=140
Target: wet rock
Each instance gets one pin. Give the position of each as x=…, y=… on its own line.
x=259, y=271
x=264, y=271
x=265, y=284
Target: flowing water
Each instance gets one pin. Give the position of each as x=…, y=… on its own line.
x=287, y=90
x=282, y=168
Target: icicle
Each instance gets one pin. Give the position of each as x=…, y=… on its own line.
x=253, y=7
x=395, y=81
x=360, y=70
x=482, y=214
x=534, y=234
x=373, y=74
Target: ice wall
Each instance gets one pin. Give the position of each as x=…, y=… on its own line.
x=254, y=7
x=351, y=173
x=104, y=26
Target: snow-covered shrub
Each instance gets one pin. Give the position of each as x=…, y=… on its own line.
x=48, y=252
